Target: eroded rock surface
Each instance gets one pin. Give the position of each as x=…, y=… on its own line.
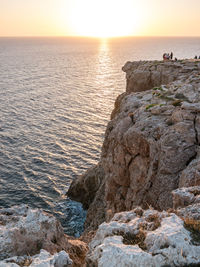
x=151, y=149
x=25, y=231
x=89, y=190
x=44, y=259
x=151, y=144
x=143, y=238
x=185, y=196
x=152, y=139
x=144, y=75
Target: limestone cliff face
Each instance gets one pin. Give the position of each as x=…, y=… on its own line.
x=151, y=144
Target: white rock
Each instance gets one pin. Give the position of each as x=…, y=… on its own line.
x=25, y=231
x=166, y=242
x=191, y=106
x=44, y=259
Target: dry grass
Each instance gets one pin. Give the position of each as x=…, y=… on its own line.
x=194, y=227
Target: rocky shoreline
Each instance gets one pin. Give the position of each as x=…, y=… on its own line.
x=143, y=197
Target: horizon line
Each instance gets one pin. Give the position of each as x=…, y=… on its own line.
x=98, y=37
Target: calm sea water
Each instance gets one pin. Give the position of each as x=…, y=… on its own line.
x=56, y=98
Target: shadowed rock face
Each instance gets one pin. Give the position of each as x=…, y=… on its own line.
x=152, y=140
x=89, y=189
x=84, y=188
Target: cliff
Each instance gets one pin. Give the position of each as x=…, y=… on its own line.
x=143, y=197
x=150, y=158
x=151, y=144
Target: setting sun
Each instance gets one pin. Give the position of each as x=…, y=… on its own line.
x=103, y=18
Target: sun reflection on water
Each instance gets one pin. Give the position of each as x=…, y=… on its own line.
x=104, y=65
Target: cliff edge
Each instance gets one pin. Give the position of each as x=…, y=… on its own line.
x=151, y=144
x=142, y=198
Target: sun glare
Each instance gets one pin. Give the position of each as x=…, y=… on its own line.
x=103, y=18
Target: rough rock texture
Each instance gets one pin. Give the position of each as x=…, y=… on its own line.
x=143, y=238
x=187, y=203
x=191, y=175
x=186, y=196
x=77, y=251
x=151, y=144
x=84, y=188
x=25, y=231
x=144, y=75
x=89, y=190
x=44, y=259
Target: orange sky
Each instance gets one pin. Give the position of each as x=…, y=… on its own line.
x=101, y=18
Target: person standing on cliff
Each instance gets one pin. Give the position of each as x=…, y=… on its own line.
x=171, y=55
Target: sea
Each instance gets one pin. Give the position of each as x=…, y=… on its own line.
x=56, y=97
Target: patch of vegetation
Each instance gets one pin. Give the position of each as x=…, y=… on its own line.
x=25, y=262
x=151, y=106
x=158, y=88
x=156, y=221
x=193, y=226
x=133, y=239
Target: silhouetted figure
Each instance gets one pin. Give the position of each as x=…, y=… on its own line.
x=171, y=55
x=195, y=57
x=164, y=56
x=175, y=59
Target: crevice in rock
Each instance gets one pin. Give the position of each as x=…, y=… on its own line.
x=191, y=159
x=195, y=129
x=132, y=159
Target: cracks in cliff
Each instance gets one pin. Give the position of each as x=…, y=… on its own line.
x=132, y=159
x=196, y=141
x=191, y=159
x=195, y=129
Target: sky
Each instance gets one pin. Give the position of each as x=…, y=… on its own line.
x=99, y=18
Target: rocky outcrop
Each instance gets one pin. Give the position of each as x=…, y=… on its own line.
x=151, y=144
x=89, y=190
x=84, y=188
x=186, y=196
x=143, y=238
x=25, y=231
x=60, y=259
x=144, y=75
